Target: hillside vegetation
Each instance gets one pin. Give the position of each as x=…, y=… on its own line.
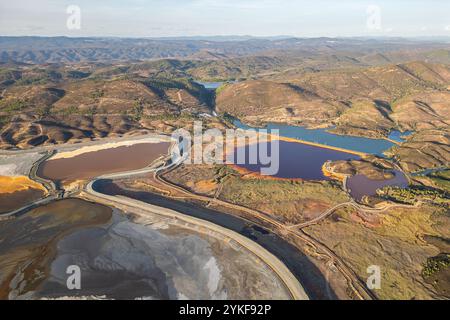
x=38, y=107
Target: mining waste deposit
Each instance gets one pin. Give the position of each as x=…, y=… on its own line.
x=85, y=166
x=28, y=243
x=16, y=188
x=123, y=257
x=314, y=283
x=16, y=192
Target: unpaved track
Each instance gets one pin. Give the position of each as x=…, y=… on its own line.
x=355, y=284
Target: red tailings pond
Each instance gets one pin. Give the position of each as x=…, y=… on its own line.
x=89, y=165
x=296, y=160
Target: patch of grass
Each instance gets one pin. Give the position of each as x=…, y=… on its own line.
x=386, y=244
x=435, y=265
x=170, y=116
x=97, y=94
x=75, y=74
x=138, y=110
x=441, y=179
x=4, y=120
x=91, y=111
x=251, y=191
x=70, y=111
x=414, y=194
x=16, y=105
x=406, y=224
x=43, y=111
x=39, y=77
x=221, y=88
x=228, y=118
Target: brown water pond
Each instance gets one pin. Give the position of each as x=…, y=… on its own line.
x=16, y=200
x=92, y=164
x=28, y=242
x=360, y=186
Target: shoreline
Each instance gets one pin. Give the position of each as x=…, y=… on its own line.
x=269, y=136
x=247, y=174
x=323, y=146
x=327, y=129
x=100, y=147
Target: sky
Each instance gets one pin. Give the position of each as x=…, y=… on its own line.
x=166, y=18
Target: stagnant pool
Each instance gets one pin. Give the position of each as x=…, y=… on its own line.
x=91, y=164
x=360, y=186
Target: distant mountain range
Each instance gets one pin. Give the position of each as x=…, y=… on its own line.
x=42, y=50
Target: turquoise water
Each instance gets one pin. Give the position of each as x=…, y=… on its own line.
x=366, y=145
x=210, y=85
x=399, y=136
x=428, y=171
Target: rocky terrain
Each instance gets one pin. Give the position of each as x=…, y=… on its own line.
x=399, y=241
x=45, y=106
x=369, y=102
x=284, y=200
x=425, y=149
x=386, y=238
x=318, y=82
x=372, y=167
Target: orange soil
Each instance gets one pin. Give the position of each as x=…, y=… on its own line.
x=18, y=183
x=332, y=175
x=205, y=186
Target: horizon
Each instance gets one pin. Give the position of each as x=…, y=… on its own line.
x=221, y=18
x=201, y=37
